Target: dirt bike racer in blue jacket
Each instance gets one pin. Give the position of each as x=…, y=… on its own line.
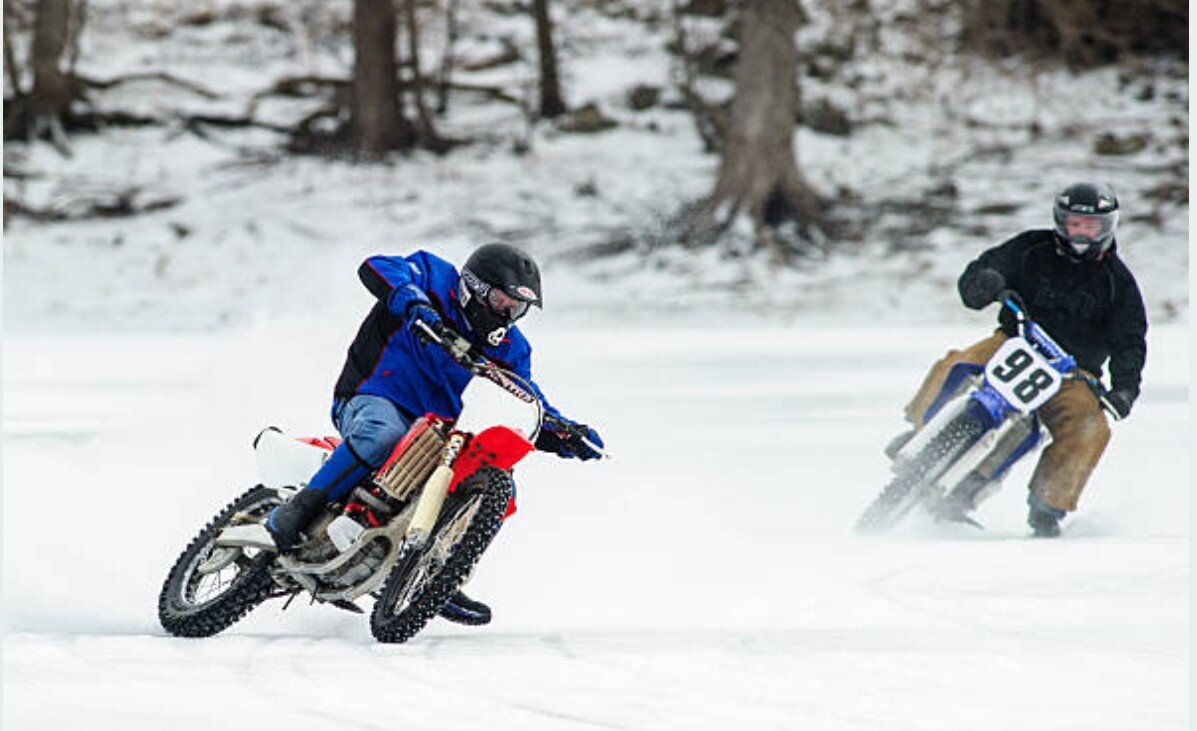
x=387, y=359
x=391, y=376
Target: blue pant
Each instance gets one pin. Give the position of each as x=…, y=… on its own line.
x=371, y=427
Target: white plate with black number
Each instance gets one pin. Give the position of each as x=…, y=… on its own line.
x=1021, y=375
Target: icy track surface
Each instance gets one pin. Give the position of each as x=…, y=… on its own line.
x=705, y=578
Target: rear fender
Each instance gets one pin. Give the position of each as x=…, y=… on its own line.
x=285, y=461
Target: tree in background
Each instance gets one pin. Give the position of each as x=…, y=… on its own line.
x=758, y=170
x=427, y=133
x=377, y=122
x=551, y=103
x=41, y=112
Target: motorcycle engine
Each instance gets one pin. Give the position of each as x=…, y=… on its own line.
x=365, y=563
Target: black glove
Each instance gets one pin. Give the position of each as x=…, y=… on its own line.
x=566, y=439
x=981, y=288
x=1121, y=401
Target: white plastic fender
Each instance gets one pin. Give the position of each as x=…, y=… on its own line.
x=284, y=461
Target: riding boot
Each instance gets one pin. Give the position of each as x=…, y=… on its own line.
x=464, y=610
x=287, y=520
x=339, y=474
x=1043, y=518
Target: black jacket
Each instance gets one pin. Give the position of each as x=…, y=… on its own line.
x=1093, y=309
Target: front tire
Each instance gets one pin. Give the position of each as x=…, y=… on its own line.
x=193, y=604
x=422, y=581
x=906, y=490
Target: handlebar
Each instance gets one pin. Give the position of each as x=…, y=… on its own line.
x=1014, y=302
x=467, y=356
x=461, y=350
x=575, y=431
x=1101, y=393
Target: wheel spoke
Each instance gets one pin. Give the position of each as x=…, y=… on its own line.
x=436, y=555
x=420, y=582
x=200, y=589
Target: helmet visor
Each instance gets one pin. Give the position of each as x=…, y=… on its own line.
x=1084, y=230
x=499, y=303
x=505, y=305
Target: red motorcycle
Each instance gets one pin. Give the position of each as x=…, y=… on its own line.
x=409, y=536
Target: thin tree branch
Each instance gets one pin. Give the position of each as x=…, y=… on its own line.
x=10, y=55
x=141, y=76
x=427, y=129
x=78, y=20
x=447, y=59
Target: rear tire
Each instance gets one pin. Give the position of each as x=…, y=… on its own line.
x=906, y=490
x=200, y=605
x=422, y=581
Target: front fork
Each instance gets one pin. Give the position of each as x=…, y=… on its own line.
x=432, y=497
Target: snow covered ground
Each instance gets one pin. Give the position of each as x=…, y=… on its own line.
x=705, y=578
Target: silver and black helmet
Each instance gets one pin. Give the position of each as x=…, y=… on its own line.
x=1086, y=215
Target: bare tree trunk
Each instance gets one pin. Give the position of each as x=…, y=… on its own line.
x=376, y=119
x=707, y=119
x=428, y=134
x=551, y=104
x=11, y=70
x=53, y=89
x=77, y=21
x=758, y=173
x=445, y=76
x=51, y=31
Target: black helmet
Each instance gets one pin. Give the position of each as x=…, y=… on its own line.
x=498, y=284
x=1086, y=215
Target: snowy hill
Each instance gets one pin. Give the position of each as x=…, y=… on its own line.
x=946, y=156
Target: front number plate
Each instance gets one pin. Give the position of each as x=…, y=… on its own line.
x=1021, y=375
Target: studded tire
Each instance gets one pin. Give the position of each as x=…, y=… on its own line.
x=906, y=490
x=420, y=583
x=184, y=614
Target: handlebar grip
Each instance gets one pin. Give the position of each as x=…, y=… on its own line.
x=1010, y=296
x=424, y=332
x=1109, y=407
x=1102, y=395
x=575, y=431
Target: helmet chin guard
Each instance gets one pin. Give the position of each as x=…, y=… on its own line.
x=487, y=324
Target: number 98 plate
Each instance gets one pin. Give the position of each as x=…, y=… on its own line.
x=1021, y=375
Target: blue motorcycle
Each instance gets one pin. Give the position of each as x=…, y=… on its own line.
x=984, y=420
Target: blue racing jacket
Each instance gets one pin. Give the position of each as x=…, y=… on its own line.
x=387, y=359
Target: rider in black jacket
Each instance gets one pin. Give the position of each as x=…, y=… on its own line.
x=1076, y=287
